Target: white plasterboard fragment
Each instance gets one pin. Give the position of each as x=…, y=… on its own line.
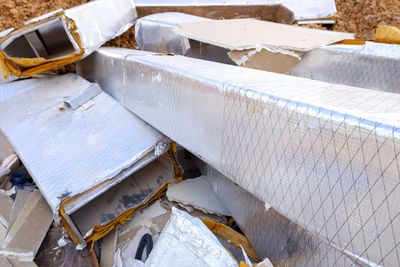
x=147, y=214
x=237, y=34
x=3, y=232
x=198, y=194
x=4, y=262
x=17, y=263
x=6, y=204
x=266, y=58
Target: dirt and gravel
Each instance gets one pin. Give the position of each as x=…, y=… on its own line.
x=357, y=16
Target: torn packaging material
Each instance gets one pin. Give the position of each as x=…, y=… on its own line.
x=186, y=241
x=62, y=37
x=292, y=142
x=53, y=140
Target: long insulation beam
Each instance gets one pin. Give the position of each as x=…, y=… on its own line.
x=324, y=155
x=371, y=65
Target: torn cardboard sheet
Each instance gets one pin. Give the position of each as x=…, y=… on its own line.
x=186, y=241
x=62, y=37
x=259, y=44
x=198, y=194
x=24, y=237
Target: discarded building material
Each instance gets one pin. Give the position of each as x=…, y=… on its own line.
x=198, y=194
x=54, y=140
x=155, y=32
x=373, y=66
x=29, y=229
x=186, y=241
x=323, y=155
x=245, y=42
x=62, y=37
x=272, y=235
x=283, y=11
x=6, y=204
x=259, y=44
x=128, y=194
x=20, y=202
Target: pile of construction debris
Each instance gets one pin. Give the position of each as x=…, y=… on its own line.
x=256, y=143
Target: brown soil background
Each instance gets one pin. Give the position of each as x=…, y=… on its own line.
x=356, y=16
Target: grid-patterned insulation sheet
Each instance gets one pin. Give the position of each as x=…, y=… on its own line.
x=323, y=155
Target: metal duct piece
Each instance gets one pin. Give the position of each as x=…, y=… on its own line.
x=272, y=235
x=74, y=155
x=283, y=11
x=62, y=37
x=323, y=155
x=373, y=66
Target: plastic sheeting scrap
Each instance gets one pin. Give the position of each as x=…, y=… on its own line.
x=186, y=241
x=62, y=37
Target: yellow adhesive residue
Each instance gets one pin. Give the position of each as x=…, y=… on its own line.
x=351, y=42
x=27, y=62
x=388, y=34
x=236, y=239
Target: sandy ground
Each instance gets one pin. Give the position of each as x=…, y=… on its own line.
x=356, y=16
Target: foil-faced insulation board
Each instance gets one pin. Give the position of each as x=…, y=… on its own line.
x=74, y=155
x=61, y=37
x=372, y=66
x=273, y=10
x=323, y=155
x=272, y=235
